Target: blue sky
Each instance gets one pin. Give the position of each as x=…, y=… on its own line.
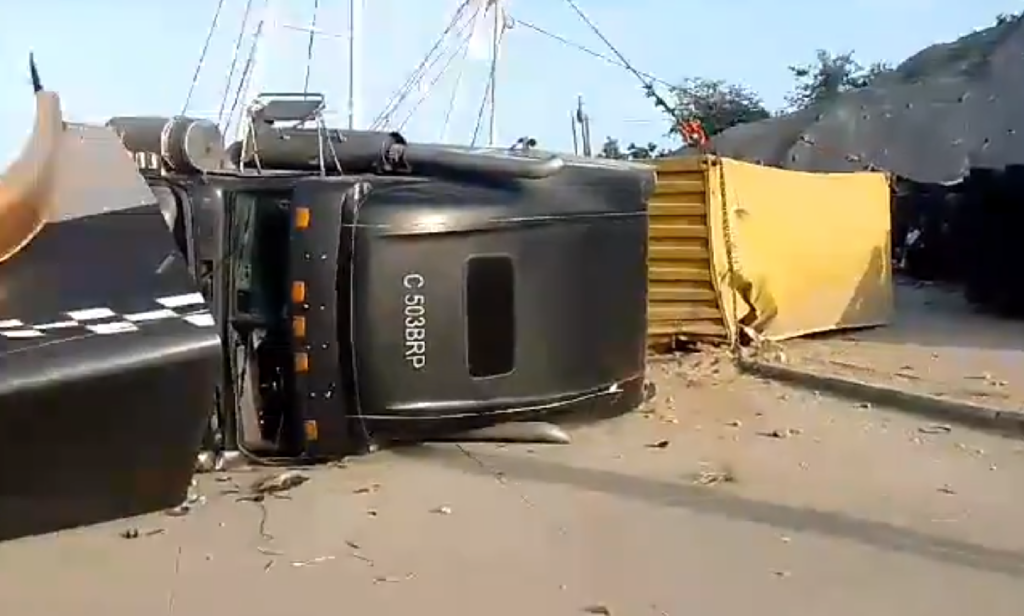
x=110, y=57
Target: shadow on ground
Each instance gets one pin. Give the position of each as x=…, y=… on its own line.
x=939, y=317
x=710, y=501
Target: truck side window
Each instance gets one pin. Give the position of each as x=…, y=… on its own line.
x=259, y=243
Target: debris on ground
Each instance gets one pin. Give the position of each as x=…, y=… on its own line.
x=192, y=500
x=367, y=489
x=206, y=461
x=275, y=486
x=662, y=444
x=699, y=366
x=135, y=533
x=278, y=484
x=442, y=510
x=210, y=461
x=709, y=476
x=312, y=561
x=603, y=610
x=391, y=579
x=935, y=429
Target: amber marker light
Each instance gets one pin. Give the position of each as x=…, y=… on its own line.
x=302, y=217
x=299, y=292
x=299, y=327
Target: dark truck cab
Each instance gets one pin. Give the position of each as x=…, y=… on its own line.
x=370, y=289
x=362, y=308
x=305, y=310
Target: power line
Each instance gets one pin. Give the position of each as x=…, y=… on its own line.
x=648, y=84
x=202, y=56
x=590, y=52
x=234, y=62
x=425, y=65
x=309, y=46
x=459, y=53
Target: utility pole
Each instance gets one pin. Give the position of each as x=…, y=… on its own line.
x=575, y=137
x=584, y=121
x=497, y=31
x=355, y=18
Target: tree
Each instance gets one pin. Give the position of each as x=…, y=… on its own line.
x=717, y=104
x=1004, y=19
x=612, y=149
x=643, y=152
x=829, y=76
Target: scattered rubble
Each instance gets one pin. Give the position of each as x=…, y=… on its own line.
x=192, y=500
x=713, y=476
x=935, y=429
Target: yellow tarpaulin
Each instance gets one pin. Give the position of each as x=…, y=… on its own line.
x=810, y=252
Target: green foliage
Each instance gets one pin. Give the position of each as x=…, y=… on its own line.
x=717, y=104
x=612, y=149
x=829, y=76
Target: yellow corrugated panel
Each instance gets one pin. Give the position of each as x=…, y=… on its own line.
x=785, y=253
x=682, y=301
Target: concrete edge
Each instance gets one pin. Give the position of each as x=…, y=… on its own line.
x=990, y=419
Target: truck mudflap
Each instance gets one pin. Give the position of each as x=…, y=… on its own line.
x=109, y=356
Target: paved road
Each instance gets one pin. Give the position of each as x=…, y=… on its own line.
x=937, y=345
x=827, y=508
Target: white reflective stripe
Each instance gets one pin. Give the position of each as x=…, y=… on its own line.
x=91, y=314
x=21, y=333
x=178, y=301
x=201, y=319
x=152, y=315
x=57, y=325
x=116, y=327
x=11, y=323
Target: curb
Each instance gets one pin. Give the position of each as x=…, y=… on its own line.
x=990, y=419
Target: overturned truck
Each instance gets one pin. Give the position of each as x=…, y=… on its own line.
x=326, y=291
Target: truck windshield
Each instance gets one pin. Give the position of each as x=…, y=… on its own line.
x=259, y=243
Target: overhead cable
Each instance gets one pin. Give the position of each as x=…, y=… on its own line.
x=309, y=46
x=590, y=52
x=489, y=91
x=460, y=54
x=234, y=61
x=247, y=70
x=455, y=89
x=202, y=56
x=417, y=74
x=648, y=84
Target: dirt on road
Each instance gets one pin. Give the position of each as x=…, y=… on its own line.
x=937, y=345
x=725, y=496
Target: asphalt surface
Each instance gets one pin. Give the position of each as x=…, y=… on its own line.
x=729, y=496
